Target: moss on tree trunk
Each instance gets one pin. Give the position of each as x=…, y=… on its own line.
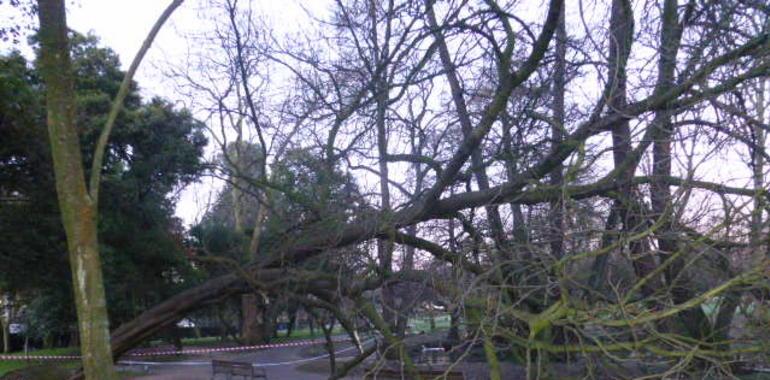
x=78, y=210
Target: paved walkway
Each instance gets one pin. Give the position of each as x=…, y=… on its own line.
x=279, y=363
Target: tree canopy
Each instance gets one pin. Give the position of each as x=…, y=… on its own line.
x=156, y=150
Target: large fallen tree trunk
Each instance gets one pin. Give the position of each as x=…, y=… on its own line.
x=212, y=291
x=152, y=321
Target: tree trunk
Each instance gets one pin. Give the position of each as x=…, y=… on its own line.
x=6, y=331
x=253, y=322
x=598, y=269
x=327, y=330
x=694, y=319
x=620, y=41
x=78, y=211
x=5, y=322
x=252, y=327
x=252, y=330
x=292, y=321
x=758, y=163
x=381, y=87
x=409, y=300
x=557, y=135
x=520, y=239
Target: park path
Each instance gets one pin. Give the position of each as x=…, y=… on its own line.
x=199, y=367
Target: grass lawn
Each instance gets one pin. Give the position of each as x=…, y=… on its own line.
x=8, y=366
x=299, y=334
x=422, y=324
x=417, y=324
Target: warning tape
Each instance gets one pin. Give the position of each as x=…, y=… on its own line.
x=208, y=363
x=38, y=357
x=196, y=351
x=235, y=349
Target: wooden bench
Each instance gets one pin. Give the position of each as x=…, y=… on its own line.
x=230, y=369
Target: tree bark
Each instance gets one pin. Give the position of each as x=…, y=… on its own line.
x=252, y=329
x=327, y=331
x=6, y=316
x=557, y=134
x=381, y=87
x=694, y=320
x=5, y=327
x=520, y=234
x=409, y=300
x=292, y=311
x=758, y=169
x=620, y=41
x=78, y=212
x=598, y=270
x=253, y=308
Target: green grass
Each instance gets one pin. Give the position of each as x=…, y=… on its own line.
x=299, y=334
x=418, y=324
x=8, y=366
x=193, y=342
x=422, y=324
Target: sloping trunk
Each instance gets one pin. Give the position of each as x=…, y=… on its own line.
x=78, y=210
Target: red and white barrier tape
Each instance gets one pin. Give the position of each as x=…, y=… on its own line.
x=196, y=351
x=235, y=349
x=38, y=357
